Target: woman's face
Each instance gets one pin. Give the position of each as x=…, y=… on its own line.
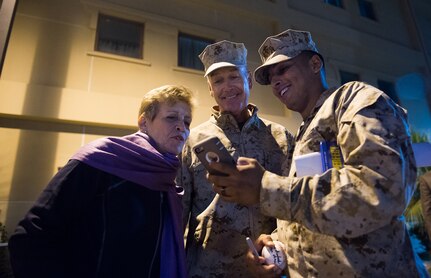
x=170, y=128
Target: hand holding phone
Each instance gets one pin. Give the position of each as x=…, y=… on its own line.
x=210, y=150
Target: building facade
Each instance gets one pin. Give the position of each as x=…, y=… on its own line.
x=76, y=70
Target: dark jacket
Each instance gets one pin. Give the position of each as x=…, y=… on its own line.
x=425, y=190
x=88, y=223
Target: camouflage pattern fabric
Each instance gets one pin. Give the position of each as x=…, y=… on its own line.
x=348, y=222
x=216, y=245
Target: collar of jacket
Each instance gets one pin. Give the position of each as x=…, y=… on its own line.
x=227, y=121
x=323, y=97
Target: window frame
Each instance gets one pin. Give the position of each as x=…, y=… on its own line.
x=141, y=25
x=335, y=3
x=366, y=9
x=345, y=72
x=388, y=88
x=193, y=37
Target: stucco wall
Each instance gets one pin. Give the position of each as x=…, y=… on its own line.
x=54, y=85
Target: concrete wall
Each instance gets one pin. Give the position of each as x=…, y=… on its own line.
x=57, y=93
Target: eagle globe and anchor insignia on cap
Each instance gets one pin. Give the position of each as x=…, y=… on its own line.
x=282, y=47
x=223, y=54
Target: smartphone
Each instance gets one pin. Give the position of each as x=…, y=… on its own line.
x=211, y=149
x=252, y=248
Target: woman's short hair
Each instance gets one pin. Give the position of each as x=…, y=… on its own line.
x=169, y=94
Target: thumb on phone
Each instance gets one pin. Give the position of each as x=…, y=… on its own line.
x=242, y=161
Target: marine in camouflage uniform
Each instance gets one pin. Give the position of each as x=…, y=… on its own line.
x=215, y=239
x=346, y=221
x=217, y=229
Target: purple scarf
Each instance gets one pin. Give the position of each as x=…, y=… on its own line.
x=134, y=158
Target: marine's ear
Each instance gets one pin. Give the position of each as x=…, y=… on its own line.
x=316, y=63
x=249, y=80
x=210, y=90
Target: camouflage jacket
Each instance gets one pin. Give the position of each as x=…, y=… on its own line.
x=217, y=229
x=348, y=222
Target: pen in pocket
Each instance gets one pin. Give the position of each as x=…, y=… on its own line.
x=252, y=248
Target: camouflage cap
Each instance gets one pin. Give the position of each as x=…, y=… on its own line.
x=223, y=54
x=282, y=47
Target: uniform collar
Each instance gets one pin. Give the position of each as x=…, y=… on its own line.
x=227, y=121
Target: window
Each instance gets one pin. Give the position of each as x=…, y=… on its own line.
x=366, y=9
x=389, y=89
x=346, y=76
x=119, y=36
x=336, y=3
x=189, y=48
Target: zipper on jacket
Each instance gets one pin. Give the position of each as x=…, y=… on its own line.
x=102, y=244
x=159, y=235
x=243, y=153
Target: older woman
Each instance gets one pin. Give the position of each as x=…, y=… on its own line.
x=113, y=210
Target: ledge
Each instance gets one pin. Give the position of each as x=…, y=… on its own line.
x=118, y=58
x=187, y=70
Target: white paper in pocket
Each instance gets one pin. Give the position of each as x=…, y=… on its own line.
x=309, y=164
